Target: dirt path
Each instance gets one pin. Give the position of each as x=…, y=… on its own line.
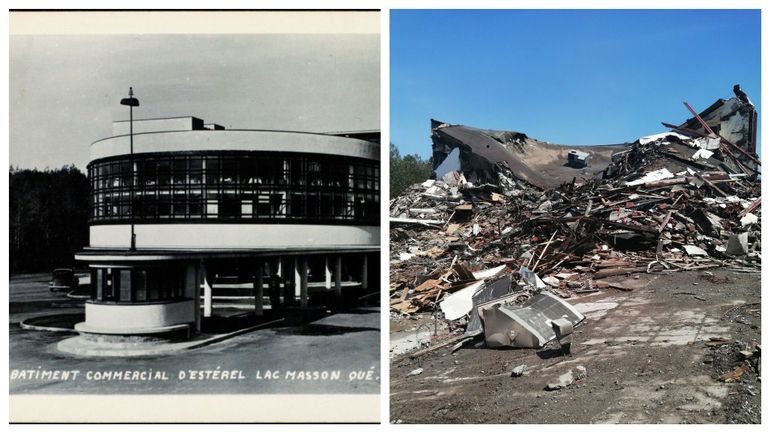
x=644, y=352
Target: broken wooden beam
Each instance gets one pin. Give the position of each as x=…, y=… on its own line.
x=604, y=273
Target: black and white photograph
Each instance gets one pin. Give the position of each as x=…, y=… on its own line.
x=194, y=211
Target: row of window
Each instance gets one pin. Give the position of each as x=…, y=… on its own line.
x=235, y=186
x=246, y=171
x=260, y=207
x=137, y=285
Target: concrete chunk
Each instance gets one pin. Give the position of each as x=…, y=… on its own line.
x=563, y=381
x=692, y=250
x=749, y=219
x=415, y=372
x=582, y=373
x=518, y=370
x=738, y=244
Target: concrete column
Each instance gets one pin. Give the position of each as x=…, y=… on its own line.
x=207, y=292
x=365, y=272
x=303, y=281
x=259, y=287
x=193, y=291
x=273, y=291
x=288, y=292
x=328, y=272
x=338, y=275
x=297, y=276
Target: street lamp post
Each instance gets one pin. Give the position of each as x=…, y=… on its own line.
x=131, y=102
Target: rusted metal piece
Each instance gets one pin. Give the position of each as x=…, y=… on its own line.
x=757, y=203
x=544, y=249
x=722, y=139
x=702, y=122
x=736, y=374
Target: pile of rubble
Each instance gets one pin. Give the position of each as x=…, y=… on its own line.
x=671, y=202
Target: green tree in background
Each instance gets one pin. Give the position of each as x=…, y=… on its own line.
x=406, y=170
x=48, y=213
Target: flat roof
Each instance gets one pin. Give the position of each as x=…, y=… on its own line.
x=91, y=254
x=158, y=118
x=214, y=131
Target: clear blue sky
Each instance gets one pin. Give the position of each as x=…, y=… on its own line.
x=565, y=76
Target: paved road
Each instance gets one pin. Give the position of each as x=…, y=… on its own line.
x=319, y=357
x=34, y=288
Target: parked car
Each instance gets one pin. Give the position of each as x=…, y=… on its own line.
x=63, y=279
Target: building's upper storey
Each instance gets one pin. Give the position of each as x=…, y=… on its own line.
x=188, y=171
x=183, y=134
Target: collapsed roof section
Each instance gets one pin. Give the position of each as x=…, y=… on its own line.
x=727, y=130
x=733, y=121
x=536, y=162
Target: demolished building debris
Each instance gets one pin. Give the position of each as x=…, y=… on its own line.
x=510, y=221
x=528, y=324
x=577, y=159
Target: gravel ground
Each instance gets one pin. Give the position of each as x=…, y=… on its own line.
x=644, y=352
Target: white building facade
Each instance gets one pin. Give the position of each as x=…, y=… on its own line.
x=225, y=215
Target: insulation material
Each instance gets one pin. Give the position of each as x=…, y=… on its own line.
x=708, y=143
x=460, y=303
x=692, y=250
x=656, y=137
x=652, y=176
x=488, y=273
x=702, y=154
x=449, y=164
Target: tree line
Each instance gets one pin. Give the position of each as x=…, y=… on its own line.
x=407, y=170
x=48, y=215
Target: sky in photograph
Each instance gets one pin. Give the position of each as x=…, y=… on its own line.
x=568, y=77
x=65, y=89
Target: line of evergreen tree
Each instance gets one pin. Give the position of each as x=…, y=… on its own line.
x=407, y=170
x=48, y=215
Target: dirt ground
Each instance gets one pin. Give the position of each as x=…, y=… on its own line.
x=644, y=352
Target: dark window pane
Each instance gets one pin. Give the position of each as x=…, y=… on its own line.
x=100, y=277
x=180, y=171
x=248, y=172
x=180, y=205
x=229, y=171
x=195, y=205
x=153, y=283
x=125, y=285
x=164, y=208
x=164, y=172
x=140, y=285
x=149, y=172
x=229, y=206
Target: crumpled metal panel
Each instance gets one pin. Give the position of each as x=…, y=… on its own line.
x=498, y=291
x=527, y=325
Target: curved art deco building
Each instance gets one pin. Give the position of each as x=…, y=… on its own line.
x=225, y=216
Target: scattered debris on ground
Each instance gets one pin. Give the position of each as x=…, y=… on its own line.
x=512, y=229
